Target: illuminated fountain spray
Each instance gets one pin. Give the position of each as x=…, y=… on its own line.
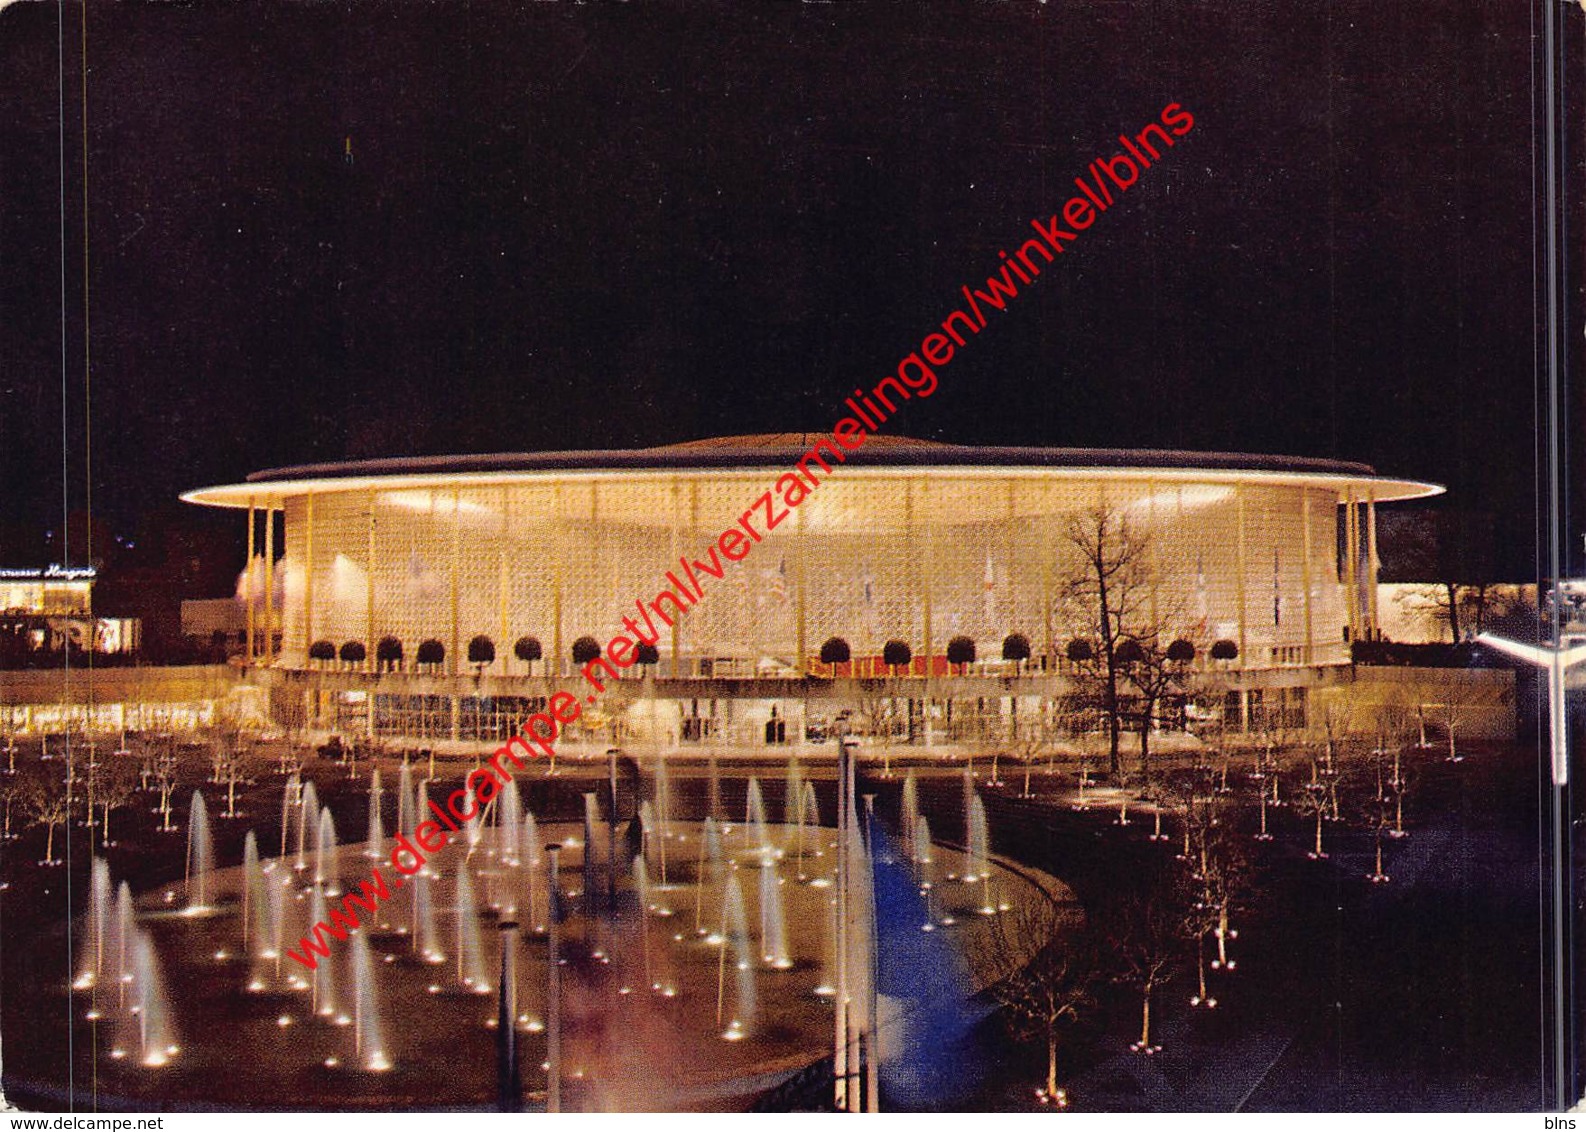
x=652, y=830
x=641, y=885
x=405, y=817
x=908, y=815
x=258, y=905
x=421, y=810
x=470, y=955
x=591, y=820
x=278, y=893
x=811, y=819
x=921, y=859
x=426, y=936
x=473, y=831
x=307, y=818
x=793, y=797
x=375, y=838
x=323, y=993
x=662, y=813
x=126, y=925
x=252, y=889
x=754, y=819
x=795, y=819
x=654, y=848
x=368, y=1046
x=91, y=963
x=976, y=841
x=812, y=806
x=509, y=823
x=156, y=1044
x=709, y=870
x=200, y=855
x=827, y=987
x=529, y=854
x=979, y=846
x=325, y=873
x=773, y=921
x=734, y=937
x=291, y=798
x=922, y=843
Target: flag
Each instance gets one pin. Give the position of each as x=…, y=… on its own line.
x=777, y=586
x=867, y=599
x=740, y=581
x=990, y=585
x=422, y=581
x=1277, y=593
x=1201, y=601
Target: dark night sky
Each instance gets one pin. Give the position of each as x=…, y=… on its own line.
x=569, y=226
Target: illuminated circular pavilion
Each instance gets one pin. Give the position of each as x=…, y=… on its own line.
x=516, y=556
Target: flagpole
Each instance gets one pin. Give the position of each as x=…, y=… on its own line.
x=1553, y=515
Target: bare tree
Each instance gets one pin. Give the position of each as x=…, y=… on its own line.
x=1314, y=802
x=1028, y=744
x=1144, y=932
x=117, y=787
x=1199, y=922
x=1224, y=881
x=1335, y=723
x=875, y=711
x=1454, y=708
x=1156, y=669
x=11, y=739
x=46, y=802
x=1376, y=811
x=10, y=791
x=231, y=755
x=165, y=780
x=1391, y=720
x=1108, y=595
x=1044, y=980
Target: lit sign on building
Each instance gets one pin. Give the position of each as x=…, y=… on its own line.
x=54, y=572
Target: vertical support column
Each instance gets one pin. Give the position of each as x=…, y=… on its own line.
x=1011, y=548
x=677, y=622
x=369, y=664
x=269, y=583
x=1305, y=520
x=1351, y=564
x=558, y=581
x=249, y=580
x=308, y=578
x=920, y=566
x=923, y=568
x=503, y=629
x=801, y=639
x=1372, y=564
x=457, y=559
x=1050, y=643
x=1244, y=653
x=455, y=662
x=1153, y=553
